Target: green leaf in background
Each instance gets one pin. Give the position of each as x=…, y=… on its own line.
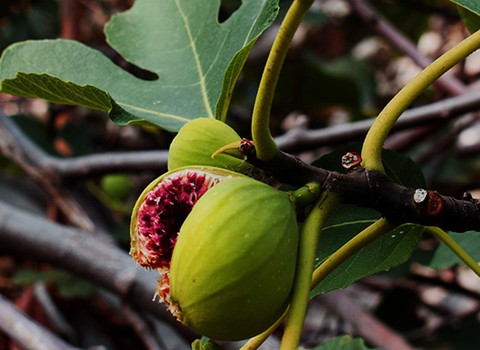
x=345, y=342
x=444, y=257
x=405, y=17
x=398, y=167
x=470, y=12
x=196, y=59
x=68, y=285
x=343, y=81
x=393, y=249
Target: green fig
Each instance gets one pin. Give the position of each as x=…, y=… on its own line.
x=233, y=264
x=161, y=209
x=199, y=139
x=225, y=246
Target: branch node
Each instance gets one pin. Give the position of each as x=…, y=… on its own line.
x=434, y=204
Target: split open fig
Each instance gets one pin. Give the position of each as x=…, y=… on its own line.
x=233, y=265
x=225, y=245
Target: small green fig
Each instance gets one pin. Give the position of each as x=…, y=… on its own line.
x=117, y=186
x=233, y=264
x=199, y=139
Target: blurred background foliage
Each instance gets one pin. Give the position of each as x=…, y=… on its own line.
x=338, y=70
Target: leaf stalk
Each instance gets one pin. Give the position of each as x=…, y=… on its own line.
x=262, y=138
x=455, y=247
x=368, y=235
x=311, y=230
x=376, y=136
x=362, y=239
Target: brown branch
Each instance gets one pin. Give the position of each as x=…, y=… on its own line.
x=56, y=320
x=19, y=148
x=366, y=326
x=106, y=163
x=27, y=333
x=447, y=83
x=33, y=237
x=27, y=156
x=51, y=172
x=140, y=326
x=441, y=111
x=156, y=160
x=397, y=203
x=71, y=14
x=374, y=190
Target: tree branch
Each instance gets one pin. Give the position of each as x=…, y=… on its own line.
x=18, y=147
x=26, y=155
x=51, y=172
x=447, y=83
x=156, y=160
x=441, y=111
x=33, y=237
x=27, y=333
x=366, y=325
x=371, y=189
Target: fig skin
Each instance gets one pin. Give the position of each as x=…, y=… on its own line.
x=198, y=139
x=233, y=266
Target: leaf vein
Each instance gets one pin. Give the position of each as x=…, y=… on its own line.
x=247, y=38
x=197, y=60
x=149, y=111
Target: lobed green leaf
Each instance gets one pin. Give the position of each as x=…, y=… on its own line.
x=470, y=12
x=196, y=60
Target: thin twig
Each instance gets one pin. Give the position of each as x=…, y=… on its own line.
x=22, y=150
x=26, y=155
x=55, y=317
x=367, y=326
x=27, y=333
x=51, y=172
x=33, y=237
x=441, y=111
x=368, y=13
x=142, y=329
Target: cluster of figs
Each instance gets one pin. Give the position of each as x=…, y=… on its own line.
x=224, y=243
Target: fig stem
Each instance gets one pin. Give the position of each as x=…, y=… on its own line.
x=309, y=237
x=365, y=237
x=231, y=146
x=265, y=145
x=305, y=195
x=375, y=138
x=455, y=247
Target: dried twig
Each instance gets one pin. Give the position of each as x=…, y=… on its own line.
x=367, y=326
x=33, y=237
x=368, y=13
x=27, y=333
x=441, y=111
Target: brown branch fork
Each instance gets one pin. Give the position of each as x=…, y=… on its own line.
x=375, y=190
